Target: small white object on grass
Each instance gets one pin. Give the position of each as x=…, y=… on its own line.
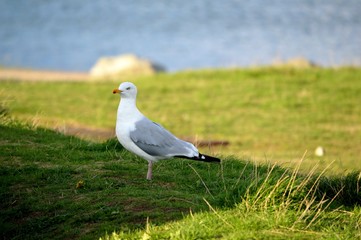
x=320, y=151
x=148, y=139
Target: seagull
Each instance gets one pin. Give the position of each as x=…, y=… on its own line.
x=147, y=139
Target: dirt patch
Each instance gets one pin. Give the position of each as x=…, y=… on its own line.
x=101, y=134
x=34, y=75
x=86, y=132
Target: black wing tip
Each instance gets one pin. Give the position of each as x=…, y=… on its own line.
x=203, y=158
x=207, y=158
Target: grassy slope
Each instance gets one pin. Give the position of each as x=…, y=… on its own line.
x=267, y=114
x=40, y=169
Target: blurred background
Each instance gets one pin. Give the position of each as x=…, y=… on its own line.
x=72, y=35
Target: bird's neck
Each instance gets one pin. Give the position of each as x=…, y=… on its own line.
x=127, y=107
x=127, y=102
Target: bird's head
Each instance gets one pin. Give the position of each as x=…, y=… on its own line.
x=126, y=90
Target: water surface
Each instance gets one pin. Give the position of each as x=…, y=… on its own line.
x=72, y=35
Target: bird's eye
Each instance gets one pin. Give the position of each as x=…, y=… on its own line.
x=128, y=88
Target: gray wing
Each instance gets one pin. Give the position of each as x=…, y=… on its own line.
x=155, y=140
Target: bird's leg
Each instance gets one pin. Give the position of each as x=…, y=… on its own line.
x=149, y=174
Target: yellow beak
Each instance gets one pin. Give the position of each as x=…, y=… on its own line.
x=116, y=91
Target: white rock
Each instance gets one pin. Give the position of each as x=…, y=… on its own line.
x=128, y=64
x=298, y=63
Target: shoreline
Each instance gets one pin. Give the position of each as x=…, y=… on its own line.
x=24, y=74
x=41, y=75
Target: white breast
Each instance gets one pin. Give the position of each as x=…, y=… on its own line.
x=125, y=124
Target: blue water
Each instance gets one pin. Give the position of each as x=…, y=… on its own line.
x=73, y=34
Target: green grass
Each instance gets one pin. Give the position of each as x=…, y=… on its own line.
x=54, y=186
x=267, y=114
x=40, y=170
x=39, y=173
